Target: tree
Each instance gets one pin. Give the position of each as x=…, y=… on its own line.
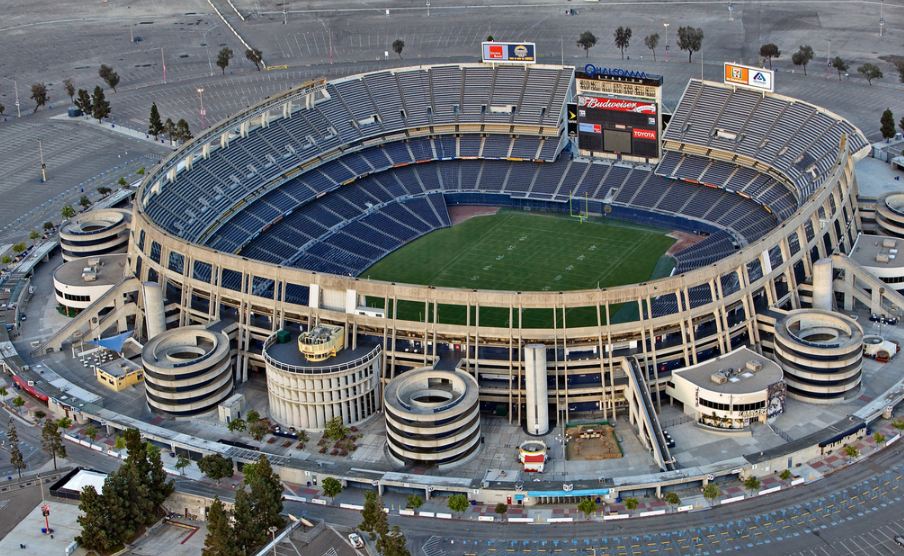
x=84, y=201
x=587, y=506
x=851, y=451
x=840, y=66
x=64, y=422
x=587, y=40
x=3, y=391
x=252, y=416
x=2, y=109
x=220, y=539
x=67, y=212
x=373, y=518
x=878, y=438
x=90, y=432
x=119, y=443
x=106, y=190
x=159, y=484
x=672, y=499
x=898, y=423
x=414, y=501
x=901, y=125
x=15, y=454
x=95, y=523
x=870, y=72
x=631, y=503
x=397, y=46
x=100, y=108
x=752, y=484
x=223, y=58
x=246, y=534
x=169, y=128
x=19, y=248
x=690, y=39
x=501, y=508
x=490, y=38
x=155, y=124
x=335, y=430
x=711, y=492
x=255, y=56
x=181, y=463
x=459, y=503
x=266, y=493
x=121, y=182
x=651, y=42
x=83, y=102
x=887, y=124
x=70, y=88
x=803, y=56
x=39, y=95
x=622, y=39
x=18, y=401
x=216, y=467
x=785, y=475
x=236, y=425
x=899, y=65
x=52, y=440
x=393, y=543
x=34, y=235
x=48, y=226
x=109, y=76
x=258, y=429
x=770, y=51
x=182, y=130
x=6, y=259
x=40, y=415
x=331, y=487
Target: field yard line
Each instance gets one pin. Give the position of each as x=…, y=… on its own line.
x=468, y=249
x=621, y=259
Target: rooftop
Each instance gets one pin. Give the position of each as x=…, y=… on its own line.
x=289, y=354
x=737, y=370
x=119, y=367
x=878, y=251
x=108, y=270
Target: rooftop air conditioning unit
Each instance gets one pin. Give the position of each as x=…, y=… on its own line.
x=754, y=366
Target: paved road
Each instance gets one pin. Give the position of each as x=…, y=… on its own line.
x=855, y=511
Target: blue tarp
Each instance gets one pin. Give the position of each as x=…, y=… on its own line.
x=113, y=343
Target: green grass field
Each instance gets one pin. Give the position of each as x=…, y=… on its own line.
x=522, y=251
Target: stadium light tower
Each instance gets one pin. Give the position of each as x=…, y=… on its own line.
x=666, y=25
x=202, y=113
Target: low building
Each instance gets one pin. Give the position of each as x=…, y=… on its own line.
x=119, y=374
x=532, y=455
x=880, y=256
x=730, y=391
x=79, y=283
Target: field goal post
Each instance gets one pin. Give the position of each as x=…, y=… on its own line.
x=583, y=207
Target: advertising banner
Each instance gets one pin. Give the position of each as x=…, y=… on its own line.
x=509, y=52
x=748, y=76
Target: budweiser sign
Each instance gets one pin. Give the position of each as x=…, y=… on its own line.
x=618, y=105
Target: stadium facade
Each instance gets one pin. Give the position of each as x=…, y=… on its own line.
x=267, y=219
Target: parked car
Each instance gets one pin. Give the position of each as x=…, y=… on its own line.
x=355, y=540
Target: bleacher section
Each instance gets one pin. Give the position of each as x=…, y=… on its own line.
x=797, y=139
x=365, y=107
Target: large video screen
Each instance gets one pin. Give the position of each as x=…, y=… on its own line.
x=619, y=126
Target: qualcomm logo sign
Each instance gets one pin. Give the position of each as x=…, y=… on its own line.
x=594, y=71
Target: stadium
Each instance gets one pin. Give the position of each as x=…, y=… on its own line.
x=457, y=217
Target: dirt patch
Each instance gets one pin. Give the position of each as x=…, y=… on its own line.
x=683, y=240
x=592, y=442
x=460, y=213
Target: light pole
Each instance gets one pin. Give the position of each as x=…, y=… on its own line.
x=666, y=25
x=43, y=166
x=273, y=530
x=202, y=113
x=18, y=110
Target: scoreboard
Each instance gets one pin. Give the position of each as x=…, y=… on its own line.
x=618, y=126
x=616, y=114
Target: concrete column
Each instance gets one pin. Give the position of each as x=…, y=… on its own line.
x=536, y=389
x=822, y=284
x=153, y=308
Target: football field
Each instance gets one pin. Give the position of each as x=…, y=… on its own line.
x=522, y=251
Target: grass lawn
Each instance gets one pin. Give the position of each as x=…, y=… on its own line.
x=522, y=251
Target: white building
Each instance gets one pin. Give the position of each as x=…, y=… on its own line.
x=731, y=391
x=80, y=282
x=880, y=256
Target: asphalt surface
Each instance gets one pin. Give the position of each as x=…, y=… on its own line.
x=857, y=510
